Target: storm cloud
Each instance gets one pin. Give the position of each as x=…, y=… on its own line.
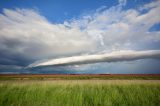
x=107, y=57
x=27, y=36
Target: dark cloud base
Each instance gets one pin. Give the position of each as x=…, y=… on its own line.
x=148, y=66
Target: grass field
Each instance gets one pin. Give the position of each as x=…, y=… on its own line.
x=80, y=93
x=79, y=76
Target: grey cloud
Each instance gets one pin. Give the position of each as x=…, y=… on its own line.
x=107, y=57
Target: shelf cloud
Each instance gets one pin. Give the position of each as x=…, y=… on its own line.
x=96, y=58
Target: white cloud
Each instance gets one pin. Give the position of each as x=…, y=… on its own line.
x=27, y=34
x=122, y=2
x=107, y=57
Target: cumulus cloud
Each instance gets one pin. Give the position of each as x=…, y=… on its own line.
x=27, y=36
x=107, y=57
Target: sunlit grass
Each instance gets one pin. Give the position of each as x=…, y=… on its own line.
x=80, y=93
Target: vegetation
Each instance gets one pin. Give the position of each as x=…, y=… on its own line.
x=80, y=93
x=79, y=76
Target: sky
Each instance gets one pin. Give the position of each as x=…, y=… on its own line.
x=104, y=36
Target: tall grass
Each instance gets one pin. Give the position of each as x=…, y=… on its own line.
x=79, y=76
x=80, y=93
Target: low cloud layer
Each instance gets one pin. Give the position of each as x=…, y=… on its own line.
x=107, y=57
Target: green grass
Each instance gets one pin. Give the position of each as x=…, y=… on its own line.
x=78, y=77
x=80, y=93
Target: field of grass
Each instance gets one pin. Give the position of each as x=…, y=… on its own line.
x=79, y=76
x=80, y=93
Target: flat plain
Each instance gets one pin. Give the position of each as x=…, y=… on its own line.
x=115, y=91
